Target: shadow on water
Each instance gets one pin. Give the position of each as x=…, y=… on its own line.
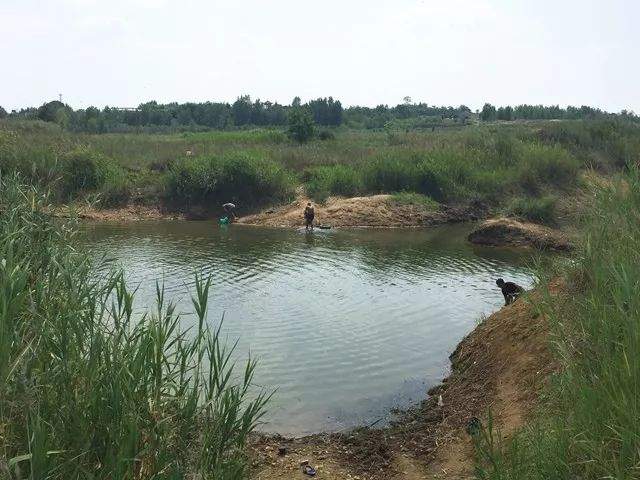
x=347, y=323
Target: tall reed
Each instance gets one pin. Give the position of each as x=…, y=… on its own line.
x=89, y=388
x=589, y=425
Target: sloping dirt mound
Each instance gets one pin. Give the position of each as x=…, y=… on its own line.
x=509, y=232
x=501, y=366
x=371, y=211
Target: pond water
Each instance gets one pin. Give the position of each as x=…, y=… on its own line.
x=347, y=324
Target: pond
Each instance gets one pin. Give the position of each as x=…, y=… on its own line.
x=347, y=324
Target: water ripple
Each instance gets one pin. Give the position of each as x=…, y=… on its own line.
x=346, y=325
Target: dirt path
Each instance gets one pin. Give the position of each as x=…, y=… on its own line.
x=501, y=366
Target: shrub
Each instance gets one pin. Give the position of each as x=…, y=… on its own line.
x=428, y=181
x=116, y=191
x=83, y=169
x=336, y=179
x=545, y=165
x=410, y=198
x=541, y=210
x=300, y=125
x=326, y=135
x=389, y=174
x=243, y=177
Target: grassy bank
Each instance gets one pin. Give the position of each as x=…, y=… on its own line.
x=90, y=389
x=588, y=426
x=491, y=163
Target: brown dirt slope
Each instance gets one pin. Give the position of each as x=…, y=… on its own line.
x=510, y=232
x=501, y=366
x=371, y=211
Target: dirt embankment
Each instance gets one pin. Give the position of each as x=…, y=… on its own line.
x=501, y=366
x=509, y=232
x=130, y=213
x=371, y=211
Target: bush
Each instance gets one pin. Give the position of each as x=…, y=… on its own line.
x=410, y=198
x=326, y=135
x=240, y=177
x=542, y=210
x=85, y=170
x=116, y=191
x=544, y=165
x=336, y=179
x=428, y=181
x=300, y=125
x=389, y=174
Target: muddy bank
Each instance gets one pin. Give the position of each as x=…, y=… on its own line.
x=371, y=211
x=509, y=232
x=130, y=213
x=374, y=211
x=502, y=365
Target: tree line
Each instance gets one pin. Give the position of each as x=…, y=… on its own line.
x=542, y=112
x=327, y=112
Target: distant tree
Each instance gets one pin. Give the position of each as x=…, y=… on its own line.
x=296, y=102
x=407, y=100
x=300, y=125
x=326, y=111
x=3, y=112
x=488, y=112
x=242, y=109
x=505, y=113
x=49, y=111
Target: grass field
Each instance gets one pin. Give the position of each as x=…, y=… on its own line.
x=495, y=163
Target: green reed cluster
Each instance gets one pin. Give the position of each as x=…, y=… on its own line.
x=90, y=388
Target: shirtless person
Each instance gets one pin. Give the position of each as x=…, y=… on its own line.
x=309, y=214
x=510, y=290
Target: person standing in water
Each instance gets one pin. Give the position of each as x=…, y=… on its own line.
x=309, y=214
x=510, y=290
x=229, y=210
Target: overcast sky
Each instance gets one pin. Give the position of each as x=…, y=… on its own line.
x=365, y=52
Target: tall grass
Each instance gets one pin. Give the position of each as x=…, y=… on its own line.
x=542, y=210
x=589, y=427
x=88, y=388
x=239, y=177
x=493, y=163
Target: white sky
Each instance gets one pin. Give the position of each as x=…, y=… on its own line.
x=366, y=52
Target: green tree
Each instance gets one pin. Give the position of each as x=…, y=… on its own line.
x=300, y=125
x=242, y=108
x=3, y=112
x=505, y=113
x=49, y=111
x=488, y=112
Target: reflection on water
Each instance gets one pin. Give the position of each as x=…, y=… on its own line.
x=347, y=324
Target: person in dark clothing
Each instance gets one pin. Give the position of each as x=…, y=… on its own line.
x=510, y=290
x=229, y=210
x=309, y=214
